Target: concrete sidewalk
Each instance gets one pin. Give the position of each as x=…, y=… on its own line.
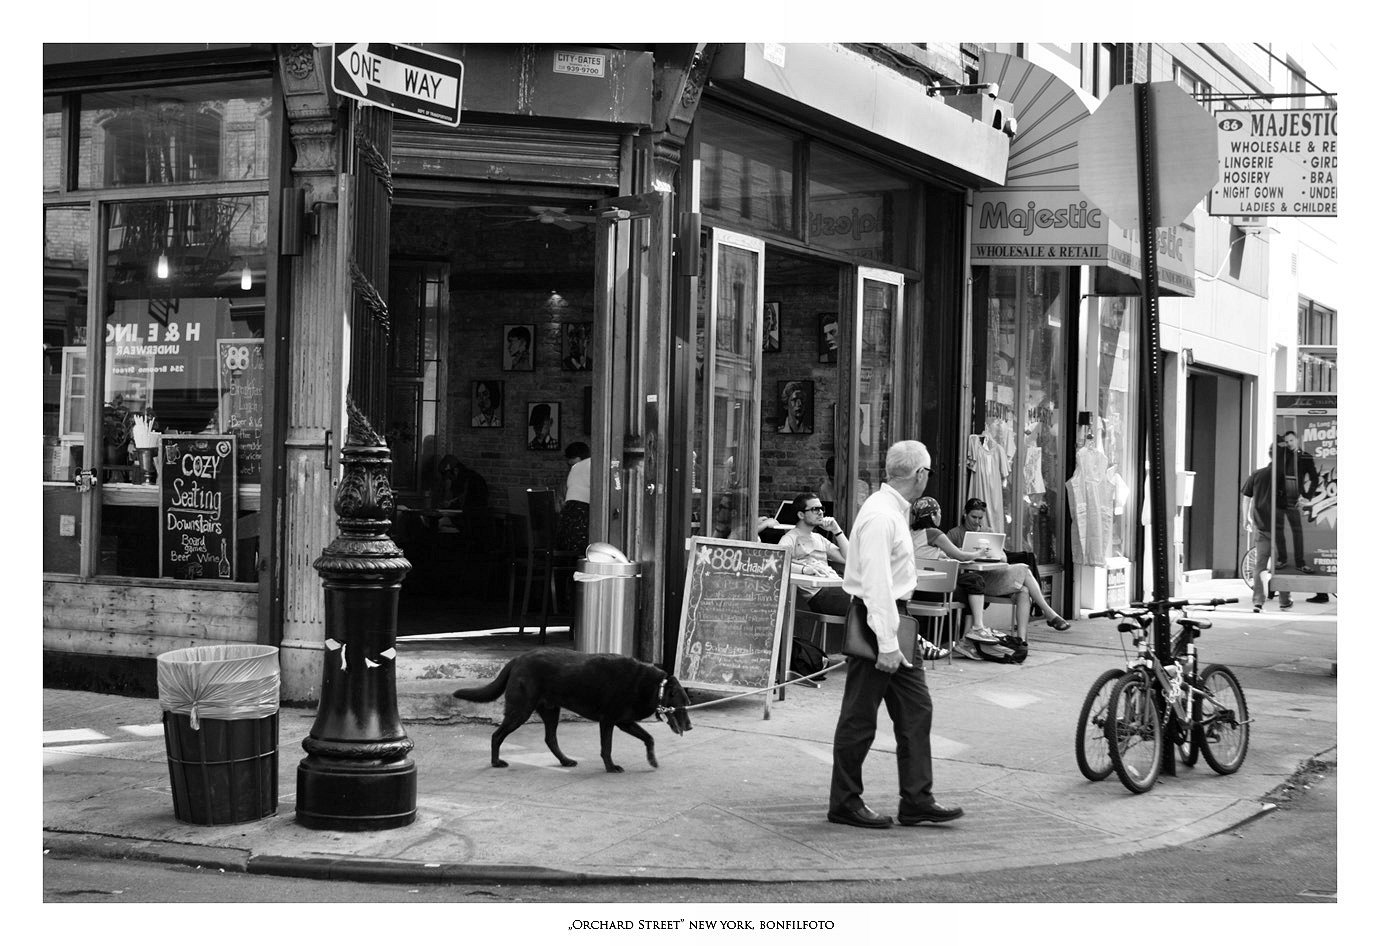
x=739, y=797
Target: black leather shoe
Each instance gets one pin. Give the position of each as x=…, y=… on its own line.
x=860, y=817
x=934, y=813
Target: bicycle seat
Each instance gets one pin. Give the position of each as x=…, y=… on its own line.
x=1194, y=623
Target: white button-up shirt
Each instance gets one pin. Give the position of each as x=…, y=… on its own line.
x=881, y=562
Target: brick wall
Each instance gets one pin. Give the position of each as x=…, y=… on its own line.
x=506, y=272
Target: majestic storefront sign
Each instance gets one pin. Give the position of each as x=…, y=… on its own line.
x=1062, y=228
x=1276, y=163
x=1037, y=226
x=1041, y=218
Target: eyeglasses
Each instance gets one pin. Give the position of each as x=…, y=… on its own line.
x=814, y=508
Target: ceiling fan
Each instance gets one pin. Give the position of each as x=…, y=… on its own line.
x=552, y=215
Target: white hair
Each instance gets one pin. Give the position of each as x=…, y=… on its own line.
x=904, y=457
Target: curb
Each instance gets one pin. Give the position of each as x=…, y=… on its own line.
x=361, y=869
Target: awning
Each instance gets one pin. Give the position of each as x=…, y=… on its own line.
x=1041, y=218
x=832, y=86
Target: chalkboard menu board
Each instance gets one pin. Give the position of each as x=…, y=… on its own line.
x=730, y=625
x=240, y=383
x=196, y=506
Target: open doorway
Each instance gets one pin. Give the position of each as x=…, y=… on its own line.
x=490, y=377
x=1215, y=405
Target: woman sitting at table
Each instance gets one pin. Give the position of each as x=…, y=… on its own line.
x=812, y=553
x=999, y=581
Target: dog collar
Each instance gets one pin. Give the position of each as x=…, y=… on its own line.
x=661, y=701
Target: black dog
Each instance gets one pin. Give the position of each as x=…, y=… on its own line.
x=607, y=688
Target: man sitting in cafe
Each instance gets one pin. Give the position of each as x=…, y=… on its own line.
x=812, y=553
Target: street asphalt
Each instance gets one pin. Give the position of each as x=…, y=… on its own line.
x=741, y=797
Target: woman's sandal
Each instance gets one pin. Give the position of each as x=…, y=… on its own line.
x=929, y=651
x=1058, y=623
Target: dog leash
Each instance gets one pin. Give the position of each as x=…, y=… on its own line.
x=777, y=686
x=739, y=696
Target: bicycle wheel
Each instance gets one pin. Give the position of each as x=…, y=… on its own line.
x=1135, y=737
x=1090, y=741
x=1247, y=568
x=1224, y=734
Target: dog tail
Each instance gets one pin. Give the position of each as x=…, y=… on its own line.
x=489, y=691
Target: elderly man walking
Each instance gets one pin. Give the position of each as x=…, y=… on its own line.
x=881, y=572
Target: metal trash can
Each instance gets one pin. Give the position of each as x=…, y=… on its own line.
x=220, y=727
x=605, y=616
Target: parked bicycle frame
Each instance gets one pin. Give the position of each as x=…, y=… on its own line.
x=1153, y=701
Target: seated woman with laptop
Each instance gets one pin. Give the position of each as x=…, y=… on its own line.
x=998, y=580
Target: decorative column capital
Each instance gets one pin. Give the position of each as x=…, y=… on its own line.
x=364, y=506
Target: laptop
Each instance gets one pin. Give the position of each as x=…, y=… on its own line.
x=980, y=541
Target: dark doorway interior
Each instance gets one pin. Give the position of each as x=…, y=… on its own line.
x=1214, y=406
x=491, y=303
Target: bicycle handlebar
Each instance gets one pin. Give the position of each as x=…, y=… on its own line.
x=1153, y=606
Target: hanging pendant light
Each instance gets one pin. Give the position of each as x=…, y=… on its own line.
x=162, y=269
x=246, y=278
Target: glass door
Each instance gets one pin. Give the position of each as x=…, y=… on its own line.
x=878, y=298
x=728, y=422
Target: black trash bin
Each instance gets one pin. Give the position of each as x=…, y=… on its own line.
x=220, y=727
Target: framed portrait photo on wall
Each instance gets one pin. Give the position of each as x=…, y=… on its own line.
x=797, y=400
x=576, y=346
x=543, y=425
x=486, y=404
x=517, y=347
x=828, y=338
x=771, y=326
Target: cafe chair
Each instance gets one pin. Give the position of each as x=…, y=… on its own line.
x=820, y=627
x=939, y=615
x=544, y=559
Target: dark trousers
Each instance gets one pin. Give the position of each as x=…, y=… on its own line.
x=907, y=699
x=1295, y=519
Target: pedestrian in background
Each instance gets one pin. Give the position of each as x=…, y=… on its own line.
x=1255, y=508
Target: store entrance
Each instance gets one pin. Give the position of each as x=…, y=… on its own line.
x=1215, y=404
x=491, y=372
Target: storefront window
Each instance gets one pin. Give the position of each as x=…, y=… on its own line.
x=734, y=393
x=174, y=135
x=748, y=173
x=875, y=379
x=1041, y=457
x=52, y=143
x=1114, y=425
x=858, y=209
x=184, y=330
x=1016, y=457
x=66, y=258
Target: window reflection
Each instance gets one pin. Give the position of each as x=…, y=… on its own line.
x=66, y=258
x=183, y=355
x=734, y=394
x=875, y=384
x=174, y=135
x=749, y=172
x=858, y=209
x=1016, y=456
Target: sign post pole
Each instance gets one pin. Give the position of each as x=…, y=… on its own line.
x=1153, y=386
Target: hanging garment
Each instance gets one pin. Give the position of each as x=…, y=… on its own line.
x=988, y=470
x=1091, y=496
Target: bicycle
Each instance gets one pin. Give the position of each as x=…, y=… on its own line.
x=1150, y=703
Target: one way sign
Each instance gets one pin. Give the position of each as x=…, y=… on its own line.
x=400, y=78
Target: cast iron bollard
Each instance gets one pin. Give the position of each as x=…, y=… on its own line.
x=357, y=775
